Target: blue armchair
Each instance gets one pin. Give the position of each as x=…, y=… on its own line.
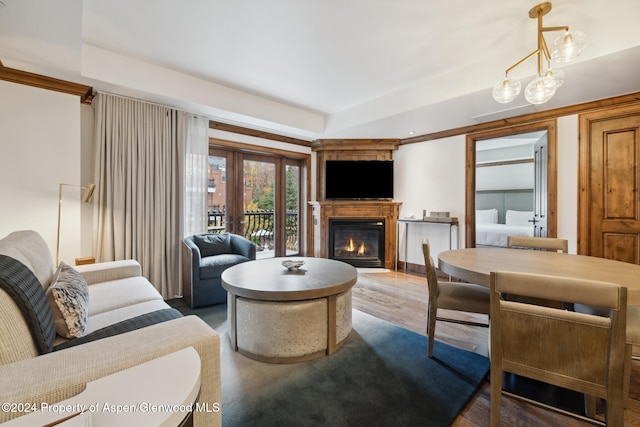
x=204, y=258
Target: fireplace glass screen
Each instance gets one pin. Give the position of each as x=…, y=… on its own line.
x=357, y=242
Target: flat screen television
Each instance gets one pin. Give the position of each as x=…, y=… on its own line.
x=359, y=179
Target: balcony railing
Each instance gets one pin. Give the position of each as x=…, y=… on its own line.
x=259, y=227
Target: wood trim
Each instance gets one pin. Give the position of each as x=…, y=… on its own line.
x=257, y=133
x=552, y=178
x=470, y=192
x=355, y=144
x=526, y=118
x=43, y=82
x=256, y=149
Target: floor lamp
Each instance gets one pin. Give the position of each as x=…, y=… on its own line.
x=86, y=198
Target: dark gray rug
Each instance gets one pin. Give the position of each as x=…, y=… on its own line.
x=380, y=377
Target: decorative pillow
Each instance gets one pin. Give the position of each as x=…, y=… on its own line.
x=487, y=216
x=69, y=299
x=213, y=244
x=518, y=217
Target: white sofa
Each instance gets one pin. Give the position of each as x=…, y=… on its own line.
x=117, y=292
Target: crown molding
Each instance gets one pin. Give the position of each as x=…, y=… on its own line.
x=30, y=79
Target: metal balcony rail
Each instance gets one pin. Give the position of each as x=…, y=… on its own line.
x=259, y=227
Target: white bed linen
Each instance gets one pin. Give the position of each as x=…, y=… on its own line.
x=496, y=234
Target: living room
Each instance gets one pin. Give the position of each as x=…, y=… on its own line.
x=47, y=136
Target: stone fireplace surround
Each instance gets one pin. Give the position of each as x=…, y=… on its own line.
x=323, y=210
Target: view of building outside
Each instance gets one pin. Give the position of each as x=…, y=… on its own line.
x=258, y=202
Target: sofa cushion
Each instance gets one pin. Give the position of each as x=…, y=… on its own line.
x=213, y=244
x=126, y=325
x=114, y=294
x=69, y=300
x=25, y=289
x=111, y=317
x=28, y=247
x=212, y=267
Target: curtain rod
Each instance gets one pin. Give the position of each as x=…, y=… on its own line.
x=153, y=103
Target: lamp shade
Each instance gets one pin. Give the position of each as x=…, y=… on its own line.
x=539, y=90
x=88, y=193
x=569, y=46
x=554, y=76
x=506, y=90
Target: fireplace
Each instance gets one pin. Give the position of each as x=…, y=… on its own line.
x=359, y=242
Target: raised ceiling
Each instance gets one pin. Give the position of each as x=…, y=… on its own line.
x=320, y=68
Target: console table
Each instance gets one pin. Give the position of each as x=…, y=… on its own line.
x=161, y=392
x=452, y=223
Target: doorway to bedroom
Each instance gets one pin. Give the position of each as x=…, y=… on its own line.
x=511, y=187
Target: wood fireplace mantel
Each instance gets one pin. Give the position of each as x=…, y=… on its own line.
x=323, y=210
x=356, y=209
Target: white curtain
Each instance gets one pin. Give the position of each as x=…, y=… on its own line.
x=194, y=132
x=140, y=170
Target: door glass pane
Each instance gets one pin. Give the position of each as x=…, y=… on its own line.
x=292, y=221
x=259, y=179
x=216, y=198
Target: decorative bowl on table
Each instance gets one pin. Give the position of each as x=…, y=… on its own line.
x=292, y=264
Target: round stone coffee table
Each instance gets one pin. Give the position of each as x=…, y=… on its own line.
x=282, y=316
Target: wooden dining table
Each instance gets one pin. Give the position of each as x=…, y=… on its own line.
x=475, y=265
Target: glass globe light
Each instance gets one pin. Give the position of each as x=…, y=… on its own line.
x=506, y=90
x=539, y=90
x=554, y=76
x=569, y=46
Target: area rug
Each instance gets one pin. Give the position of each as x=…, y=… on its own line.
x=380, y=377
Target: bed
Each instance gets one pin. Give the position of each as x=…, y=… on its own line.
x=491, y=233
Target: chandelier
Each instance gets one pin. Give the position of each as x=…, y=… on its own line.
x=566, y=48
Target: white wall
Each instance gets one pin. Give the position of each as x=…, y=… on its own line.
x=505, y=177
x=431, y=175
x=40, y=148
x=568, y=180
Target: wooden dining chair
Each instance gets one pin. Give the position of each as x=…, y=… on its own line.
x=548, y=243
x=632, y=336
x=532, y=341
x=465, y=297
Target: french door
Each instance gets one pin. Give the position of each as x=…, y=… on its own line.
x=258, y=196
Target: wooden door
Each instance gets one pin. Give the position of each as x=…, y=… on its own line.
x=609, y=206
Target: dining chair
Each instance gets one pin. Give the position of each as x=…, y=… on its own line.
x=532, y=341
x=632, y=336
x=548, y=243
x=465, y=297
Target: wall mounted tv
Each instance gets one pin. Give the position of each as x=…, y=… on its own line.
x=359, y=179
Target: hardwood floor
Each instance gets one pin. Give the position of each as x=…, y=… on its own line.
x=402, y=299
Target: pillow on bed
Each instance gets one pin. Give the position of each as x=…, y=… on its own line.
x=487, y=216
x=519, y=217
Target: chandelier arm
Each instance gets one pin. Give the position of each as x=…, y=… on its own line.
x=563, y=28
x=544, y=48
x=535, y=52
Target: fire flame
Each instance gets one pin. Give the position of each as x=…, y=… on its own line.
x=351, y=247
